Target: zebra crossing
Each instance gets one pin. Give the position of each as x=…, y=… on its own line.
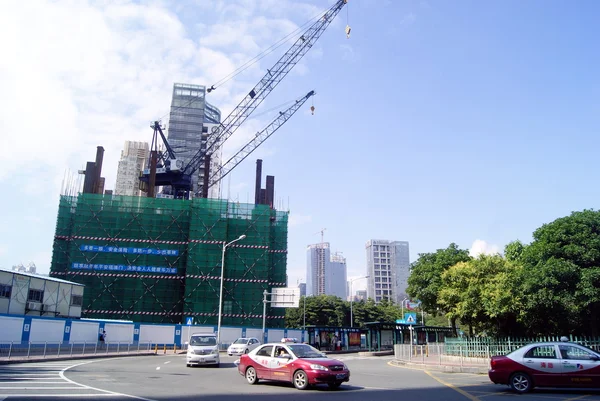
x=42, y=379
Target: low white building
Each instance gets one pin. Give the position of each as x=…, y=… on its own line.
x=30, y=294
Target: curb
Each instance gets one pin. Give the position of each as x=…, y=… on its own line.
x=70, y=358
x=481, y=370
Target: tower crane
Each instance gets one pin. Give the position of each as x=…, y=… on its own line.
x=180, y=178
x=260, y=137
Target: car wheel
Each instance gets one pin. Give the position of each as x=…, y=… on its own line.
x=246, y=351
x=188, y=365
x=520, y=382
x=300, y=380
x=251, y=375
x=334, y=384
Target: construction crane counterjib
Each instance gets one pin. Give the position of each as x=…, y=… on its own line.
x=260, y=137
x=265, y=86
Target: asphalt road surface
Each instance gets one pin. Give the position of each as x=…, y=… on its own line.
x=165, y=377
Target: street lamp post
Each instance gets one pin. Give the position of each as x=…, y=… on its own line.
x=352, y=298
x=221, y=287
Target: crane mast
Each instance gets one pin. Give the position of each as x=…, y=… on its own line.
x=257, y=140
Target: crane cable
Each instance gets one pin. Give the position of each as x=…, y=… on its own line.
x=263, y=54
x=248, y=63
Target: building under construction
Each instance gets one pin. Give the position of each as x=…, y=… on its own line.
x=159, y=260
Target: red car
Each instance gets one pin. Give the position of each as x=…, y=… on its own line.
x=300, y=364
x=550, y=364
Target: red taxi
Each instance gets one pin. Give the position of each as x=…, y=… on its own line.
x=299, y=364
x=550, y=364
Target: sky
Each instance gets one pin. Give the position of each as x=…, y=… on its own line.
x=435, y=122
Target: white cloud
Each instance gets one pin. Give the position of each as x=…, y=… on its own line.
x=480, y=247
x=298, y=219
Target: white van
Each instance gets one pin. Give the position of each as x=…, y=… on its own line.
x=203, y=350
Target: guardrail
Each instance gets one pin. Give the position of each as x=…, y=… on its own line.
x=37, y=349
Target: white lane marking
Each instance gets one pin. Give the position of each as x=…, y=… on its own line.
x=28, y=396
x=26, y=378
x=167, y=362
x=62, y=375
x=38, y=388
x=158, y=368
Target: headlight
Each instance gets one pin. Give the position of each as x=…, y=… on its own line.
x=346, y=367
x=215, y=351
x=318, y=367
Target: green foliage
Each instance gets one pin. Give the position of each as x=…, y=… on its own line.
x=513, y=250
x=425, y=280
x=327, y=310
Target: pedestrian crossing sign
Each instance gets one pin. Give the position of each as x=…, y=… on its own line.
x=189, y=320
x=410, y=318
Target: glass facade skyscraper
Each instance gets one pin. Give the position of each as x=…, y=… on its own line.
x=190, y=120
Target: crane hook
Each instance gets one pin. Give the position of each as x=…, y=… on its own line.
x=312, y=110
x=348, y=29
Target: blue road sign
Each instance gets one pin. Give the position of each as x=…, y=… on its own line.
x=410, y=318
x=189, y=320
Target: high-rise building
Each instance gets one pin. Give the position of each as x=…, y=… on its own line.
x=325, y=273
x=361, y=295
x=190, y=123
x=388, y=268
x=134, y=157
x=302, y=287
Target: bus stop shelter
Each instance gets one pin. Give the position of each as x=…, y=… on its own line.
x=382, y=336
x=331, y=338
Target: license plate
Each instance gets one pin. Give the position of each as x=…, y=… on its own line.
x=340, y=376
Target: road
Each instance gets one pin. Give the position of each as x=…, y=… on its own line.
x=165, y=377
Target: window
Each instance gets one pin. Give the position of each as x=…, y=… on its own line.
x=542, y=351
x=265, y=351
x=36, y=295
x=228, y=307
x=76, y=300
x=571, y=352
x=5, y=290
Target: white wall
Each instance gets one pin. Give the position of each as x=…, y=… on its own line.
x=155, y=334
x=274, y=335
x=295, y=334
x=84, y=332
x=118, y=333
x=46, y=330
x=256, y=333
x=230, y=334
x=12, y=329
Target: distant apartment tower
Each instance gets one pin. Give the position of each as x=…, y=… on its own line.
x=134, y=157
x=191, y=122
x=326, y=274
x=302, y=287
x=388, y=267
x=361, y=295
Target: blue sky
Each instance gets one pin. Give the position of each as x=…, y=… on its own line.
x=436, y=122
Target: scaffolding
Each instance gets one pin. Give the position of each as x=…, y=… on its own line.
x=159, y=260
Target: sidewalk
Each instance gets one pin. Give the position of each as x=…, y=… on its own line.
x=435, y=363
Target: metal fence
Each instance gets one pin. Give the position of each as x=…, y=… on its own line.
x=24, y=351
x=484, y=347
x=434, y=353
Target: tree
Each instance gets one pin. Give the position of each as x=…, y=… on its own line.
x=483, y=294
x=425, y=282
x=513, y=250
x=565, y=255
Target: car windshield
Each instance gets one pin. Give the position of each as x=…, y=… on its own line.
x=203, y=341
x=305, y=351
x=241, y=341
